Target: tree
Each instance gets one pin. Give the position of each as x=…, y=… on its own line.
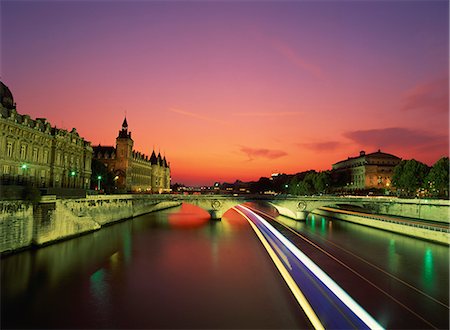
x=293, y=186
x=262, y=185
x=409, y=176
x=304, y=188
x=107, y=178
x=321, y=181
x=437, y=178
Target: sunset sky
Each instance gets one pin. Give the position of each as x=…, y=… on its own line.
x=238, y=89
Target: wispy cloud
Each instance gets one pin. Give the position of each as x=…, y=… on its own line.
x=322, y=146
x=254, y=153
x=267, y=114
x=398, y=138
x=292, y=56
x=431, y=97
x=197, y=116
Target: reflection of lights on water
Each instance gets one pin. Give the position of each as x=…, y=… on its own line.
x=322, y=276
x=114, y=259
x=428, y=271
x=323, y=229
x=392, y=256
x=298, y=294
x=188, y=217
x=100, y=290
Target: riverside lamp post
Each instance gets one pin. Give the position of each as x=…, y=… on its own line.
x=72, y=175
x=24, y=168
x=99, y=178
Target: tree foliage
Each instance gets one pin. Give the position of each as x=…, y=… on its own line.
x=107, y=180
x=438, y=178
x=310, y=183
x=409, y=176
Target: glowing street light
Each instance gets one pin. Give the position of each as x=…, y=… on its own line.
x=72, y=173
x=99, y=178
x=24, y=166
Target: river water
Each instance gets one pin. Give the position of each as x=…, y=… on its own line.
x=169, y=269
x=177, y=269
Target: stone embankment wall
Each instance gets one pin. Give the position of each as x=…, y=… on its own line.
x=422, y=232
x=23, y=225
x=16, y=225
x=426, y=209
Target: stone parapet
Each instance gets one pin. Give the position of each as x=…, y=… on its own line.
x=23, y=225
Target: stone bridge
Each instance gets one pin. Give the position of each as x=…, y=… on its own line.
x=299, y=207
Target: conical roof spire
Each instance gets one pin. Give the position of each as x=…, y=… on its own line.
x=125, y=124
x=153, y=159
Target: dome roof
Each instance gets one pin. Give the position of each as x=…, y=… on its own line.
x=6, y=97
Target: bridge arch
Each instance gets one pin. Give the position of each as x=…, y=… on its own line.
x=216, y=205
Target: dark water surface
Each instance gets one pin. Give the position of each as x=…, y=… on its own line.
x=403, y=282
x=170, y=269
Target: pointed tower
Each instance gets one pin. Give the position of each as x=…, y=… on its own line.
x=124, y=154
x=166, y=173
x=155, y=170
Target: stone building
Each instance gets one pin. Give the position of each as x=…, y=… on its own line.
x=132, y=170
x=33, y=152
x=366, y=171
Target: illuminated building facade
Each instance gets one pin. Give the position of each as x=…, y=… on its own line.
x=132, y=170
x=366, y=171
x=33, y=152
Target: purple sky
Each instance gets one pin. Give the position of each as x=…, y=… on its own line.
x=236, y=90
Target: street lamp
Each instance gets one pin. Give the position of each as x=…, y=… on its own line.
x=99, y=178
x=24, y=168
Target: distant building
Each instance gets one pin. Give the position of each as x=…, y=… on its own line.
x=33, y=152
x=366, y=171
x=132, y=170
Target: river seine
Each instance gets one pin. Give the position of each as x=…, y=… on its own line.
x=169, y=269
x=178, y=269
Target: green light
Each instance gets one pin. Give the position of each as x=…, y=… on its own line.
x=393, y=256
x=72, y=173
x=428, y=268
x=99, y=177
x=313, y=223
x=24, y=166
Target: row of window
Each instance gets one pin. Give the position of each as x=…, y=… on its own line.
x=43, y=157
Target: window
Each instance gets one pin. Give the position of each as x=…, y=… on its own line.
x=9, y=149
x=58, y=158
x=23, y=151
x=35, y=154
x=45, y=159
x=6, y=169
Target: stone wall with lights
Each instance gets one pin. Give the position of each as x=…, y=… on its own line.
x=16, y=225
x=23, y=225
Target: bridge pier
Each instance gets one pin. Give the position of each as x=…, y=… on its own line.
x=292, y=214
x=215, y=214
x=301, y=215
